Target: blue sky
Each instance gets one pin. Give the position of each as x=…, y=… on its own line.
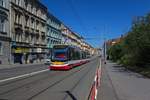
x=96, y=19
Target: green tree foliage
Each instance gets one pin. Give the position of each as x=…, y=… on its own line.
x=115, y=52
x=135, y=47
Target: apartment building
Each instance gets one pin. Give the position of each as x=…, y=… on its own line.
x=4, y=32
x=65, y=34
x=70, y=37
x=54, y=35
x=28, y=31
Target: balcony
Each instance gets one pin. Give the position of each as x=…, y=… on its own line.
x=27, y=28
x=43, y=43
x=36, y=43
x=26, y=41
x=43, y=33
x=18, y=27
x=37, y=30
x=32, y=31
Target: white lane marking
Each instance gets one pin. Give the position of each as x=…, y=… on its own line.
x=25, y=75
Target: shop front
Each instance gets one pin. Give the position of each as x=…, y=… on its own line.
x=20, y=55
x=37, y=55
x=24, y=55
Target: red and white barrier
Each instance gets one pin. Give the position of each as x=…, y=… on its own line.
x=95, y=85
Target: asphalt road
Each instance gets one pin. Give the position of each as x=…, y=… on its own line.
x=16, y=71
x=48, y=85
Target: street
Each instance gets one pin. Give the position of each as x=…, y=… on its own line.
x=117, y=83
x=74, y=50
x=49, y=85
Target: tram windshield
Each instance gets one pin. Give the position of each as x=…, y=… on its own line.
x=59, y=55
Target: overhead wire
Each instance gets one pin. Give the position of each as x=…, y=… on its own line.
x=77, y=16
x=80, y=21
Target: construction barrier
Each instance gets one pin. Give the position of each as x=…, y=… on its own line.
x=95, y=85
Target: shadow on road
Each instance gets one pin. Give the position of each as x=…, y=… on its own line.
x=71, y=95
x=123, y=70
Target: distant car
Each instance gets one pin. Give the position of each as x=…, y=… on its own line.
x=47, y=61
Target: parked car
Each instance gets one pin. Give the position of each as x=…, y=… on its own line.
x=47, y=61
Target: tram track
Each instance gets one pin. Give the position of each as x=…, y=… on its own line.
x=42, y=79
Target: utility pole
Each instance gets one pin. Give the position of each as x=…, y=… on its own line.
x=105, y=44
x=104, y=50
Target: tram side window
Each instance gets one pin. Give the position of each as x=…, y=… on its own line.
x=73, y=54
x=69, y=54
x=77, y=55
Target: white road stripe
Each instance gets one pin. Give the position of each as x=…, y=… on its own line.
x=25, y=75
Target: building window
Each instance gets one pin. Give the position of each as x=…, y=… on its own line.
x=1, y=48
x=28, y=7
x=51, y=41
x=32, y=39
x=18, y=2
x=32, y=22
x=2, y=3
x=32, y=8
x=18, y=19
x=39, y=13
x=26, y=20
x=16, y=38
x=2, y=25
x=26, y=4
x=37, y=25
x=36, y=11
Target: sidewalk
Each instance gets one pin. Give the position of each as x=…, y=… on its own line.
x=106, y=90
x=19, y=65
x=127, y=85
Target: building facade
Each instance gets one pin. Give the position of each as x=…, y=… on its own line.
x=28, y=31
x=65, y=34
x=54, y=35
x=4, y=32
x=70, y=37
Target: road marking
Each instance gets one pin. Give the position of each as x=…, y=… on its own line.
x=25, y=75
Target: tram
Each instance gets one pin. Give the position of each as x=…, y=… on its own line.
x=65, y=57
